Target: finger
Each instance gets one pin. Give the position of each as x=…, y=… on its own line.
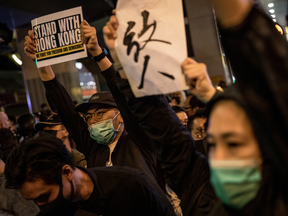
x=81, y=32
x=29, y=46
x=188, y=61
x=85, y=31
x=112, y=30
x=90, y=38
x=29, y=40
x=28, y=51
x=106, y=30
x=31, y=34
x=194, y=74
x=107, y=33
x=114, y=11
x=85, y=23
x=195, y=67
x=114, y=22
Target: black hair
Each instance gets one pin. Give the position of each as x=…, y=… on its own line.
x=178, y=109
x=7, y=141
x=43, y=105
x=200, y=113
x=41, y=157
x=195, y=102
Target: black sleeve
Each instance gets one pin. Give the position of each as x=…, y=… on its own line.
x=175, y=148
x=144, y=143
x=148, y=200
x=61, y=103
x=259, y=57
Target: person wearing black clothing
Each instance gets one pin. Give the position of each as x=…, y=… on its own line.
x=43, y=170
x=258, y=55
x=133, y=148
x=186, y=171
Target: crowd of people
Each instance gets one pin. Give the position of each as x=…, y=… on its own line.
x=210, y=153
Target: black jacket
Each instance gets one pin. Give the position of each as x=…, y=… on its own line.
x=186, y=171
x=122, y=191
x=127, y=152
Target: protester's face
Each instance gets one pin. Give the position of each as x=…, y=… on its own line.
x=230, y=133
x=105, y=114
x=183, y=117
x=198, y=130
x=43, y=193
x=62, y=133
x=4, y=121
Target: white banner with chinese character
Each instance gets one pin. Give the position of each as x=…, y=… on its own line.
x=57, y=37
x=151, y=45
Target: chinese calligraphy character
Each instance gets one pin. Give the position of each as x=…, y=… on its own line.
x=128, y=41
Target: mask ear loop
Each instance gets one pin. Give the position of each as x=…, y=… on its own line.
x=119, y=123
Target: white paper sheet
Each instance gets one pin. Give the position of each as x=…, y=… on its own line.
x=157, y=28
x=57, y=37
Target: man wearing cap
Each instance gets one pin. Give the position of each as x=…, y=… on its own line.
x=54, y=126
x=100, y=134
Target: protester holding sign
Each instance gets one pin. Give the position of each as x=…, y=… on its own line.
x=248, y=154
x=186, y=171
x=101, y=130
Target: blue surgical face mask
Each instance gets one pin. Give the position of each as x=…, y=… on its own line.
x=236, y=182
x=103, y=132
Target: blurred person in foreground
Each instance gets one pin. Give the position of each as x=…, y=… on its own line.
x=55, y=127
x=7, y=141
x=11, y=201
x=43, y=170
x=258, y=55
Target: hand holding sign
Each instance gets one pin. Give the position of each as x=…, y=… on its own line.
x=200, y=83
x=30, y=46
x=89, y=38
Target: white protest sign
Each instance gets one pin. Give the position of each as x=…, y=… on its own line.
x=57, y=37
x=151, y=45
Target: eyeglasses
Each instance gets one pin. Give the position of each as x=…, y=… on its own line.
x=98, y=114
x=184, y=122
x=200, y=133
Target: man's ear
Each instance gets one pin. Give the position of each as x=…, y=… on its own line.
x=68, y=172
x=120, y=118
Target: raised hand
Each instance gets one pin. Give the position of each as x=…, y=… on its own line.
x=200, y=83
x=89, y=37
x=109, y=31
x=30, y=46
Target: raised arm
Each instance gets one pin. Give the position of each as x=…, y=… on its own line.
x=60, y=101
x=174, y=145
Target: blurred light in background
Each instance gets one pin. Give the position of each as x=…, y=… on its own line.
x=16, y=59
x=78, y=65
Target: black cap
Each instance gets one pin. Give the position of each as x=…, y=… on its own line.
x=51, y=121
x=101, y=98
